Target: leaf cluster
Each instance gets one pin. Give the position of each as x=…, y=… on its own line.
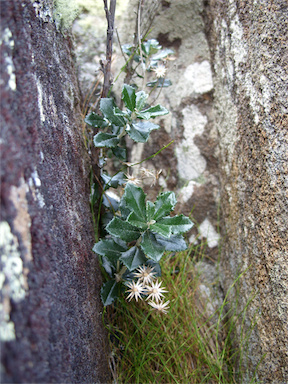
x=116, y=123
x=139, y=234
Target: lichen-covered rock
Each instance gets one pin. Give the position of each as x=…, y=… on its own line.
x=51, y=314
x=189, y=166
x=248, y=41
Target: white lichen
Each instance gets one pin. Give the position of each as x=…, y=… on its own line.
x=207, y=231
x=7, y=39
x=191, y=164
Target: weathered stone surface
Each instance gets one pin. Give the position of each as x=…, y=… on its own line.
x=248, y=41
x=51, y=314
x=189, y=166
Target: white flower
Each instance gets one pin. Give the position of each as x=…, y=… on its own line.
x=155, y=292
x=160, y=70
x=145, y=274
x=136, y=289
x=150, y=174
x=161, y=307
x=132, y=179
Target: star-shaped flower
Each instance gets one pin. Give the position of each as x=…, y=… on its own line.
x=145, y=274
x=132, y=179
x=155, y=291
x=161, y=307
x=160, y=70
x=136, y=289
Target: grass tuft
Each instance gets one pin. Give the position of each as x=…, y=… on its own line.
x=188, y=345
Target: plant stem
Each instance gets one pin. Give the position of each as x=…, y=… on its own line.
x=110, y=16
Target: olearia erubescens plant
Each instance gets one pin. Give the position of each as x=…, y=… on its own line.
x=138, y=231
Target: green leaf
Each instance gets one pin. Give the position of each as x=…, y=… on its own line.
x=141, y=98
x=150, y=47
x=135, y=201
x=164, y=204
x=110, y=249
x=150, y=210
x=105, y=140
x=113, y=181
x=107, y=106
x=109, y=266
x=111, y=203
x=174, y=243
x=129, y=97
x=126, y=48
x=140, y=132
x=152, y=112
x=96, y=120
x=134, y=220
x=133, y=258
x=161, y=83
x=117, y=112
x=162, y=229
x=177, y=225
x=125, y=211
x=109, y=292
x=123, y=229
x=150, y=247
x=162, y=54
x=119, y=152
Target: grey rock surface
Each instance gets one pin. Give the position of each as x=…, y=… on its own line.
x=51, y=313
x=248, y=42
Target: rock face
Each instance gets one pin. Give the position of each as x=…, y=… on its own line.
x=51, y=314
x=190, y=165
x=250, y=62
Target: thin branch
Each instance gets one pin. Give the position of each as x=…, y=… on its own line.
x=106, y=66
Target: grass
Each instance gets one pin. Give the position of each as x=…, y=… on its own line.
x=189, y=344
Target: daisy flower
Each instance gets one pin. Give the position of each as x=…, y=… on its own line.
x=160, y=70
x=145, y=274
x=136, y=289
x=161, y=307
x=132, y=179
x=155, y=291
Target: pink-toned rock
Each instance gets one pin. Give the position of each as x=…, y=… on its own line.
x=51, y=314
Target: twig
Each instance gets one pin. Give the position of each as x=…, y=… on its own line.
x=106, y=66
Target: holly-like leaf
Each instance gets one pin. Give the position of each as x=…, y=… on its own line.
x=110, y=203
x=123, y=229
x=150, y=211
x=175, y=243
x=164, y=204
x=150, y=47
x=150, y=247
x=152, y=112
x=110, y=249
x=162, y=54
x=113, y=181
x=174, y=225
x=105, y=140
x=125, y=211
x=107, y=106
x=133, y=258
x=117, y=112
x=96, y=120
x=109, y=266
x=119, y=152
x=140, y=131
x=110, y=291
x=134, y=220
x=129, y=96
x=135, y=201
x=160, y=83
x=141, y=98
